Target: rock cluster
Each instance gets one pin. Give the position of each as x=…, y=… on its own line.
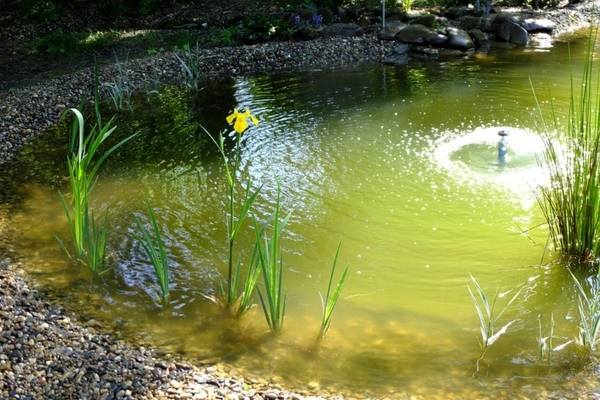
x=47, y=353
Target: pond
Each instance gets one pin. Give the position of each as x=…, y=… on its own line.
x=398, y=164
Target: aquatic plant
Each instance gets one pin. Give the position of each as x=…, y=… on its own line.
x=546, y=343
x=329, y=303
x=588, y=306
x=571, y=201
x=237, y=303
x=191, y=66
x=488, y=318
x=89, y=235
x=155, y=250
x=274, y=299
x=121, y=90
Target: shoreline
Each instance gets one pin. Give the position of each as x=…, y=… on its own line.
x=45, y=350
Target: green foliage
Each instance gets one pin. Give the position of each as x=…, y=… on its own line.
x=488, y=318
x=61, y=42
x=147, y=6
x=156, y=252
x=261, y=28
x=35, y=11
x=571, y=201
x=329, y=303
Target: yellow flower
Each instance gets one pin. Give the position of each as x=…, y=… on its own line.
x=240, y=120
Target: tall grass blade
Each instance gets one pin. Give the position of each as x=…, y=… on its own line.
x=329, y=303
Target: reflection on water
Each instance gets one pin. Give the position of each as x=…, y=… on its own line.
x=399, y=164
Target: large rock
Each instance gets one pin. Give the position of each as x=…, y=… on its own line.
x=512, y=32
x=436, y=39
x=459, y=39
x=391, y=30
x=479, y=38
x=413, y=34
x=535, y=25
x=426, y=20
x=398, y=56
x=348, y=30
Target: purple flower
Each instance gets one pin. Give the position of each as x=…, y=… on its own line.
x=297, y=20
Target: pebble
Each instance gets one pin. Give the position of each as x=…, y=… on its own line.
x=46, y=352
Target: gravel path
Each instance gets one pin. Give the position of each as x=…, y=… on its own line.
x=44, y=351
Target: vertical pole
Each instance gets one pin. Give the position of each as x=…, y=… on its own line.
x=383, y=14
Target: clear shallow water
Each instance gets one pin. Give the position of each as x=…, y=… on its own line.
x=399, y=164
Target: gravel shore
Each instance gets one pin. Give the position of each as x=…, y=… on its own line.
x=45, y=353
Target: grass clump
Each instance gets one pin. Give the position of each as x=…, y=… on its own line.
x=120, y=90
x=571, y=201
x=274, y=297
x=88, y=234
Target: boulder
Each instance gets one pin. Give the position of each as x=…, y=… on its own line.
x=457, y=12
x=535, y=25
x=469, y=23
x=391, y=30
x=348, y=30
x=426, y=20
x=398, y=56
x=413, y=34
x=479, y=38
x=436, y=39
x=512, y=32
x=459, y=39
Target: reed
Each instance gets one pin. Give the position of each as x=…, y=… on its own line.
x=588, y=306
x=191, y=66
x=236, y=291
x=489, y=317
x=270, y=259
x=121, y=90
x=89, y=235
x=328, y=304
x=571, y=201
x=155, y=249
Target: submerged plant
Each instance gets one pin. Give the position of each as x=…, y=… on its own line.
x=329, y=303
x=89, y=235
x=155, y=250
x=546, y=343
x=571, y=201
x=588, y=306
x=237, y=303
x=489, y=317
x=274, y=298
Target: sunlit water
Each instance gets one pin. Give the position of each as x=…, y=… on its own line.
x=398, y=164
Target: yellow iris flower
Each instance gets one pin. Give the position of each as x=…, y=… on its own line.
x=241, y=123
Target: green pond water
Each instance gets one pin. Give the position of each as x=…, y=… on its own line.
x=398, y=163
